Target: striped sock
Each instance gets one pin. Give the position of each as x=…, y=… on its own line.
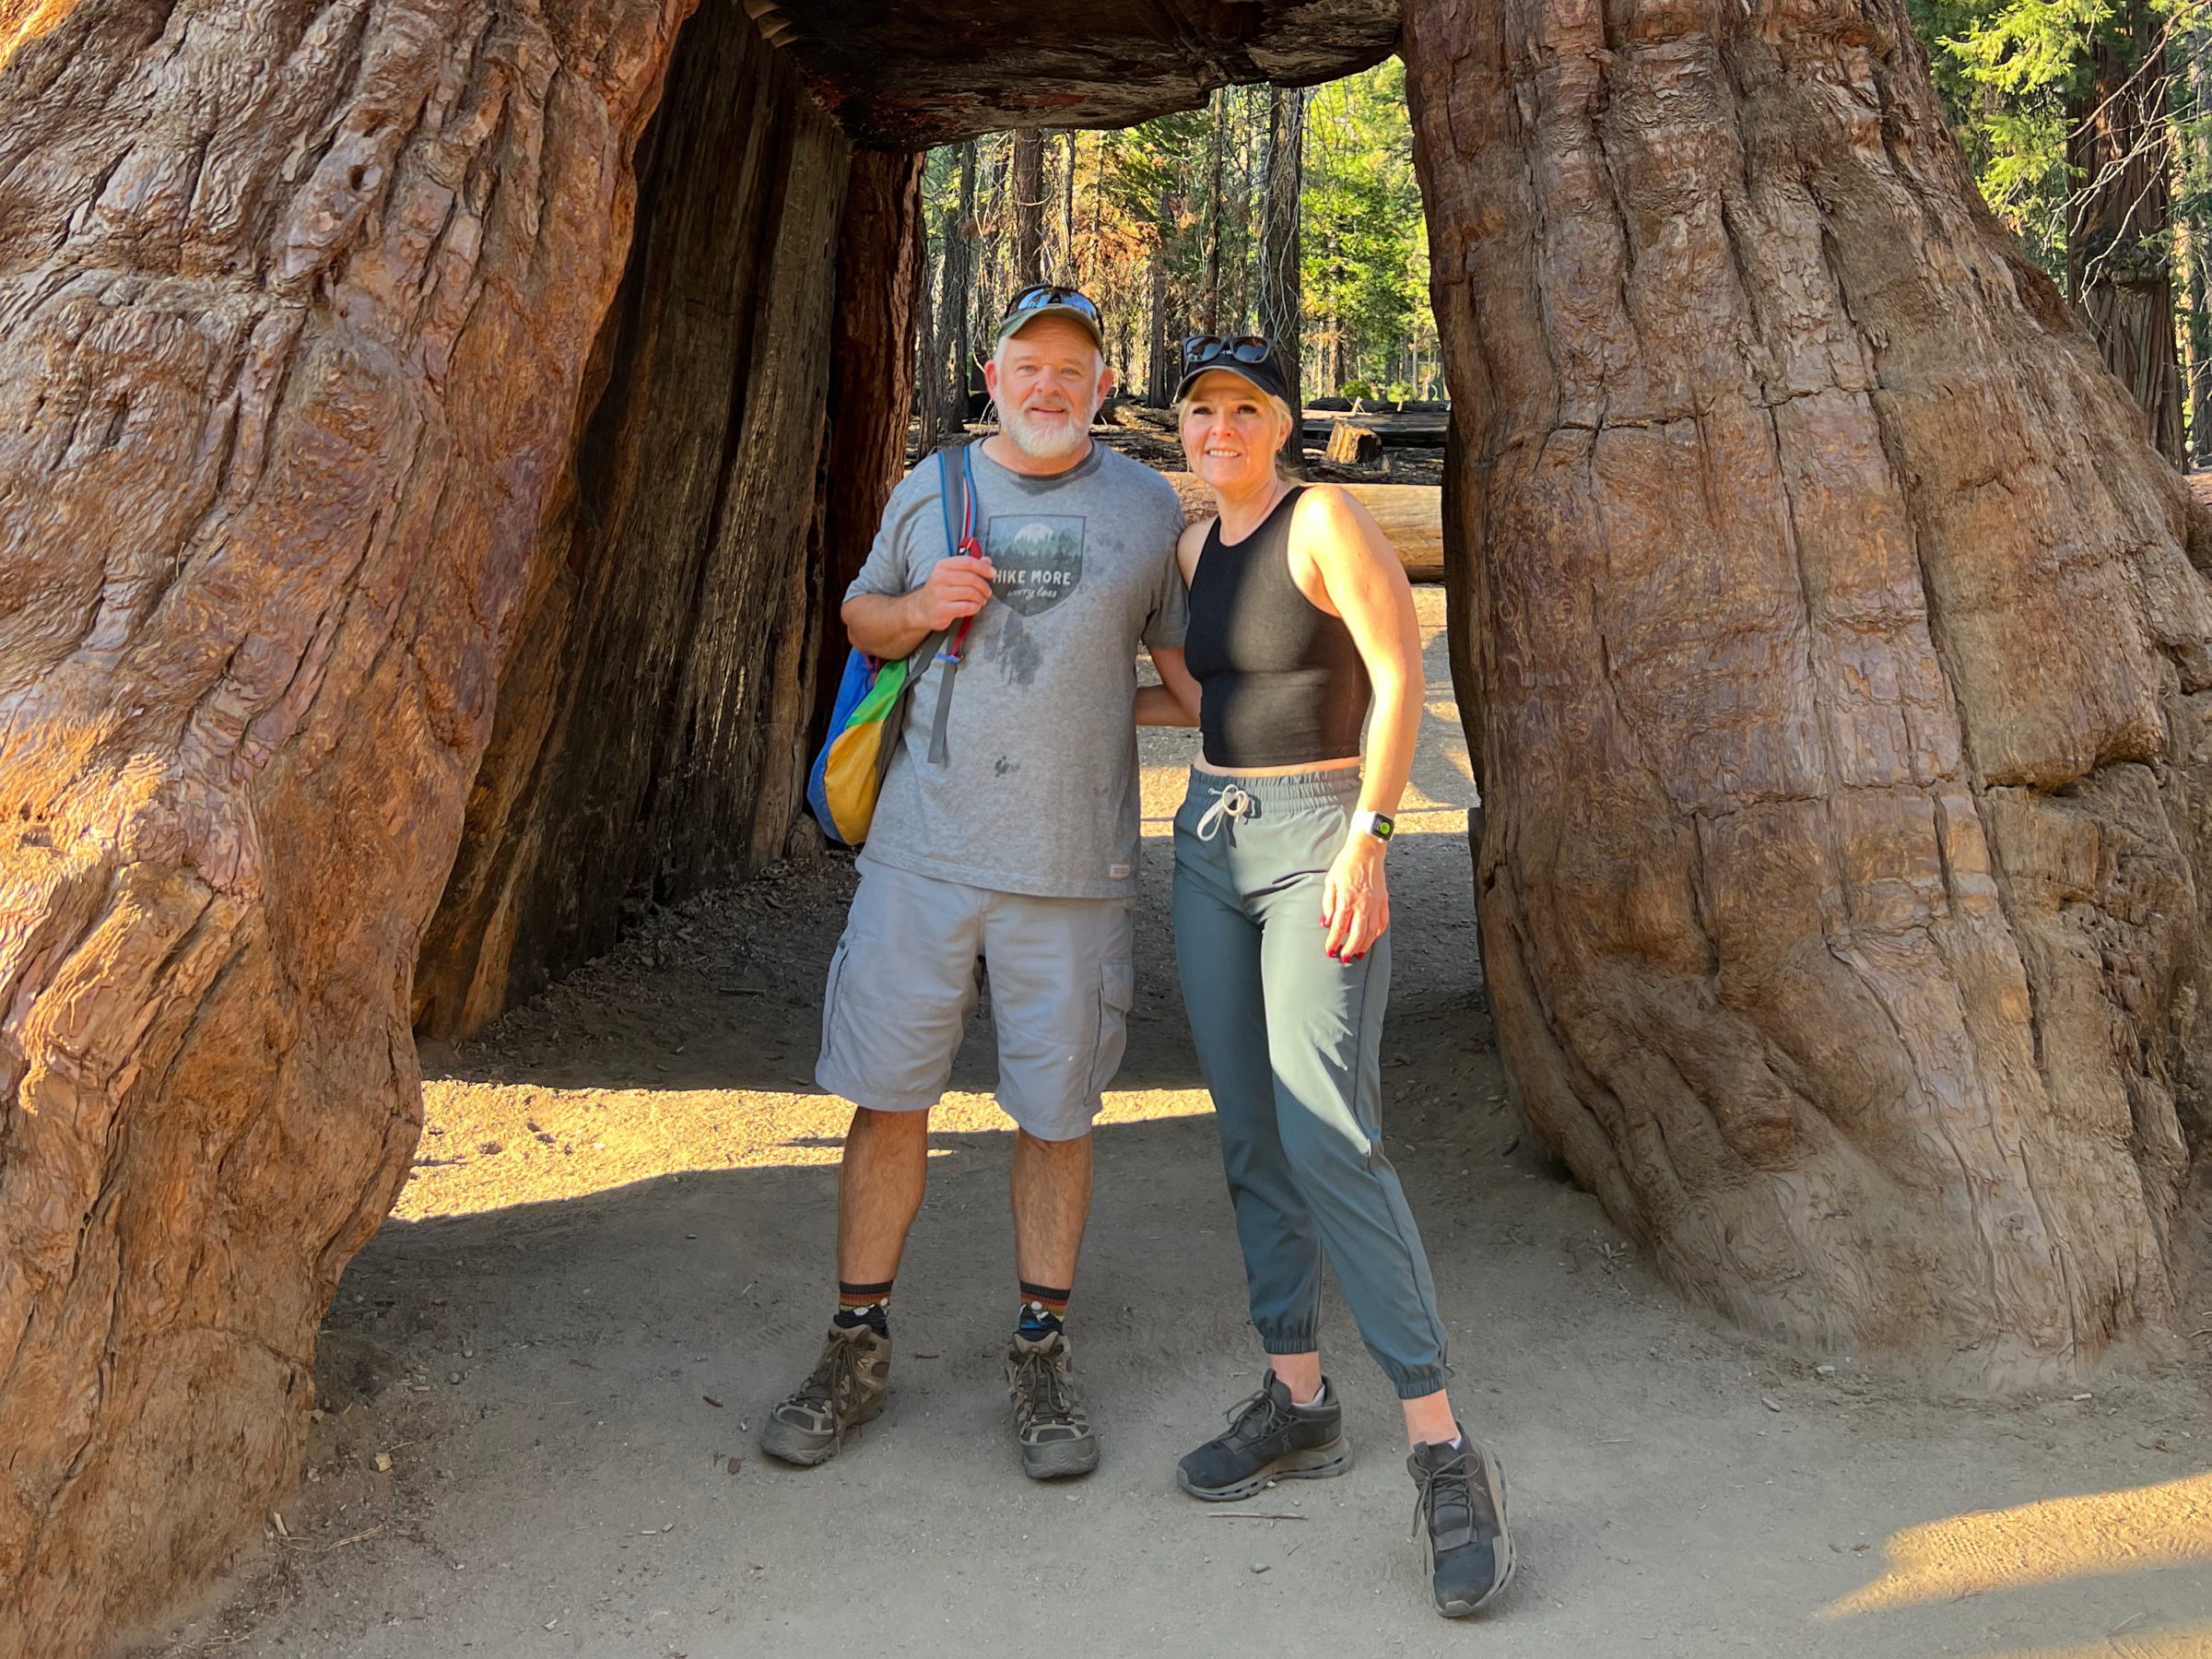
x=864, y=1304
x=1044, y=1310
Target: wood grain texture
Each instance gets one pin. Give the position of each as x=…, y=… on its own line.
x=880, y=301
x=653, y=719
x=909, y=74
x=1841, y=678
x=295, y=302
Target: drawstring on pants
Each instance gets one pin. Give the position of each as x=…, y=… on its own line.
x=1232, y=803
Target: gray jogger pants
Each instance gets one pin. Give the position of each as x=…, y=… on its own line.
x=1290, y=1043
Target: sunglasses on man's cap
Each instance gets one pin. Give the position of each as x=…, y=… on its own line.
x=1052, y=300
x=1038, y=295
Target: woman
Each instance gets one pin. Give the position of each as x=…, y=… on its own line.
x=1300, y=623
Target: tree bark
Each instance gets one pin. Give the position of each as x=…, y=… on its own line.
x=1842, y=683
x=955, y=304
x=878, y=303
x=1281, y=309
x=1159, y=378
x=651, y=721
x=1027, y=187
x=1209, y=304
x=294, y=315
x=2119, y=222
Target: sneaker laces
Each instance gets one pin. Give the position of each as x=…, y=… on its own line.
x=1439, y=1492
x=835, y=1383
x=1040, y=1387
x=1232, y=802
x=1270, y=1411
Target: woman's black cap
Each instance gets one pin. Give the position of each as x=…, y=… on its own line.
x=1250, y=358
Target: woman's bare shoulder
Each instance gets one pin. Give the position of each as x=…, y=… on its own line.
x=1192, y=543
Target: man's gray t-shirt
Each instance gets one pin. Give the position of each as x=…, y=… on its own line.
x=1039, y=793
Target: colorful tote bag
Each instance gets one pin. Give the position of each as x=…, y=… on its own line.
x=870, y=719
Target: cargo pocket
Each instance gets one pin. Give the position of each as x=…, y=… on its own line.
x=1117, y=995
x=837, y=974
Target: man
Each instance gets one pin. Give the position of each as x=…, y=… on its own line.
x=1018, y=845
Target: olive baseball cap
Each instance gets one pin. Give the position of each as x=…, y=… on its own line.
x=1050, y=300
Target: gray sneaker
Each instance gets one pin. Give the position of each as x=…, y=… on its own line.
x=844, y=1391
x=1049, y=1425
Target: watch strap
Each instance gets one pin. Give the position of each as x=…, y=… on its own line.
x=1376, y=824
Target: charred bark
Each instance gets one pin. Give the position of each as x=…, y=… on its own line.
x=1842, y=683
x=294, y=314
x=1027, y=186
x=879, y=306
x=1281, y=309
x=653, y=719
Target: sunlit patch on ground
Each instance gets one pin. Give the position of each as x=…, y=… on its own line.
x=2195, y=1642
x=2099, y=1533
x=486, y=1145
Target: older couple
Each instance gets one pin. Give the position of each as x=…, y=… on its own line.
x=1007, y=829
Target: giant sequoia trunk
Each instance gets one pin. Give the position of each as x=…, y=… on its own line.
x=654, y=718
x=1842, y=681
x=290, y=363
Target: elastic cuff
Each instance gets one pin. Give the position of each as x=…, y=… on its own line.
x=1290, y=1342
x=1416, y=1384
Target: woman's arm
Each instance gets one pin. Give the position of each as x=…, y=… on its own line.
x=1172, y=702
x=1361, y=580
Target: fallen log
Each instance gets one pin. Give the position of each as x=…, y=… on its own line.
x=1411, y=515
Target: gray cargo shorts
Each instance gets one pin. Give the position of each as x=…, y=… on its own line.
x=904, y=981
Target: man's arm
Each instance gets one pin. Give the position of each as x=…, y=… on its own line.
x=1174, y=701
x=892, y=625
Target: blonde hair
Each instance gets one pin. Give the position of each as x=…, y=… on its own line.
x=1282, y=411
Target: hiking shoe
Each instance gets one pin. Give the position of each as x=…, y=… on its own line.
x=1269, y=1439
x=1049, y=1426
x=1460, y=1490
x=844, y=1391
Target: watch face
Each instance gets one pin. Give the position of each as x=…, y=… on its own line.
x=1384, y=827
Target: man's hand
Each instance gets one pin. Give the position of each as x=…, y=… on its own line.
x=955, y=587
x=885, y=626
x=1355, y=904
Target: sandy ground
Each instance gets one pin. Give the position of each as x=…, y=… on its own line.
x=542, y=1379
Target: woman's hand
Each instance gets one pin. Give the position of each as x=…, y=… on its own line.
x=1355, y=904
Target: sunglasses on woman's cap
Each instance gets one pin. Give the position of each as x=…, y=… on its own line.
x=1046, y=299
x=1248, y=357
x=1202, y=349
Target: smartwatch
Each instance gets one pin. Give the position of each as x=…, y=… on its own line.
x=1374, y=824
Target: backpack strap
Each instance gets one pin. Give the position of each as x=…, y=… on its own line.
x=959, y=536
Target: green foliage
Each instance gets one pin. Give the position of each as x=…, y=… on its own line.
x=1365, y=252
x=2006, y=71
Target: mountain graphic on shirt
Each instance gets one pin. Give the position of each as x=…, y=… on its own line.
x=1038, y=561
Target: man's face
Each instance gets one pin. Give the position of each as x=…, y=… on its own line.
x=1049, y=381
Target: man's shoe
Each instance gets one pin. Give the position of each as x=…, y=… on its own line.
x=844, y=1391
x=1049, y=1425
x=1269, y=1439
x=1461, y=1493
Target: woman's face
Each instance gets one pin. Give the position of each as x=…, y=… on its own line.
x=1230, y=433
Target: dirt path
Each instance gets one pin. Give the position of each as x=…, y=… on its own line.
x=615, y=1252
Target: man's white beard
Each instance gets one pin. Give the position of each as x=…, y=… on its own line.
x=1042, y=443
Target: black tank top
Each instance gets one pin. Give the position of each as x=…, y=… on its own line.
x=1281, y=682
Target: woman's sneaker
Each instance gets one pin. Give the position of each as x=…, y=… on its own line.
x=1460, y=1492
x=845, y=1389
x=1049, y=1423
x=1269, y=1439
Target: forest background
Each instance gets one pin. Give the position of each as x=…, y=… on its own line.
x=2087, y=124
